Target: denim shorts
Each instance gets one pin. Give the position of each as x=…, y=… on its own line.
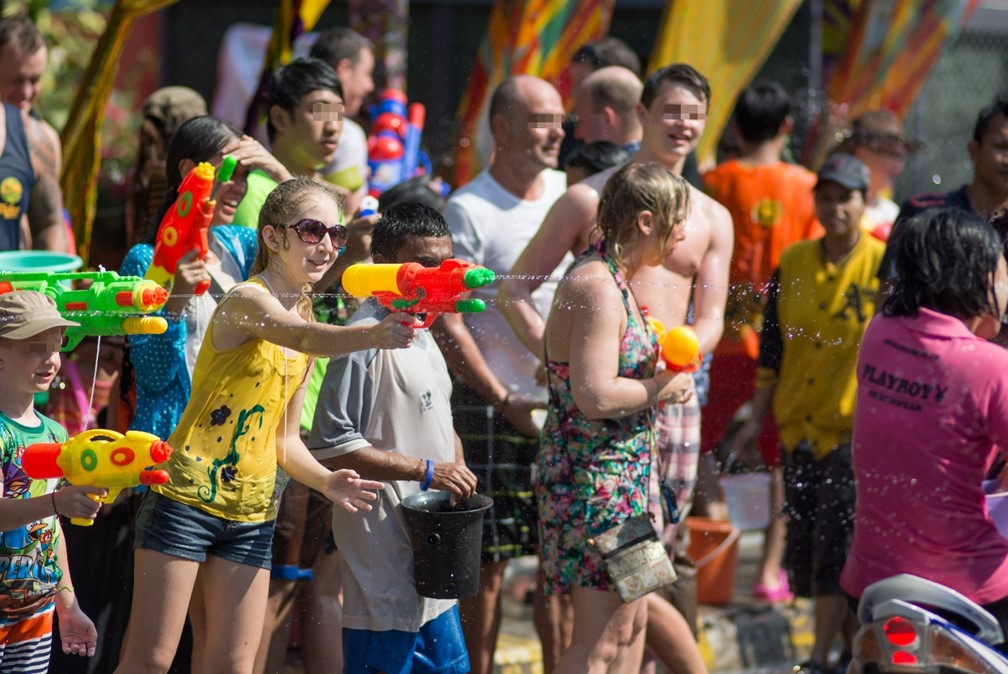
x=437, y=648
x=167, y=526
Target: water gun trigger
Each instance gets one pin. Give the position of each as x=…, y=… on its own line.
x=108, y=498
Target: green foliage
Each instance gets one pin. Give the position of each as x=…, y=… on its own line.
x=71, y=29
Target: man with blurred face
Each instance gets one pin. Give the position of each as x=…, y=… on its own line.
x=605, y=108
x=305, y=118
x=31, y=201
x=491, y=219
x=351, y=55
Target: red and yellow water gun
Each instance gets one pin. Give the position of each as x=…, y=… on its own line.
x=186, y=225
x=416, y=289
x=99, y=458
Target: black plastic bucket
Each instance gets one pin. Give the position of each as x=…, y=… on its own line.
x=446, y=543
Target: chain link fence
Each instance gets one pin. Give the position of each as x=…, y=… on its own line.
x=971, y=72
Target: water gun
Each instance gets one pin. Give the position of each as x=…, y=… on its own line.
x=186, y=225
x=394, y=142
x=106, y=304
x=680, y=348
x=417, y=289
x=99, y=458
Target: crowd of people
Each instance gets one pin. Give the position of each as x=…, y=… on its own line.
x=829, y=321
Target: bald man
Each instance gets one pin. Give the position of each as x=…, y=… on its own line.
x=492, y=219
x=605, y=108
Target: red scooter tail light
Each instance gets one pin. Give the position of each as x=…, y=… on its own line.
x=900, y=632
x=904, y=658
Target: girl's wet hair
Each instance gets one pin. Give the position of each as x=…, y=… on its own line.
x=945, y=260
x=285, y=206
x=637, y=187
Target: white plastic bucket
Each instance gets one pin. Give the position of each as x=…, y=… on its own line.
x=748, y=499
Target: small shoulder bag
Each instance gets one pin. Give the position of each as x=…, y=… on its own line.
x=634, y=557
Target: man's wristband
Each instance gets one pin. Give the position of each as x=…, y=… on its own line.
x=428, y=476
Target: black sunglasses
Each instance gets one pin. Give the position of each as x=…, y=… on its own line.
x=313, y=231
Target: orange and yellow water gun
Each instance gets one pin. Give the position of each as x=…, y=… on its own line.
x=99, y=458
x=420, y=290
x=186, y=225
x=680, y=348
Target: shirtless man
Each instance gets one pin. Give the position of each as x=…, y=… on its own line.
x=672, y=110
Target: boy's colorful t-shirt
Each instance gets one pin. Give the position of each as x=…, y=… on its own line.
x=28, y=570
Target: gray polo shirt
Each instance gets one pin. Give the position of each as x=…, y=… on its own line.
x=395, y=400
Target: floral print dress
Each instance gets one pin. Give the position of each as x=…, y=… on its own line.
x=592, y=474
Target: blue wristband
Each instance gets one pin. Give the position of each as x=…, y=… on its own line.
x=425, y=485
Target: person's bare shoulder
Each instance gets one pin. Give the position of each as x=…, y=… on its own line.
x=580, y=201
x=598, y=180
x=586, y=288
x=44, y=146
x=712, y=216
x=571, y=219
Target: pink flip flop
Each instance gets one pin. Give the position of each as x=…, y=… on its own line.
x=781, y=593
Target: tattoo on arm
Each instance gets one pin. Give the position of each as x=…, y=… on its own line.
x=45, y=212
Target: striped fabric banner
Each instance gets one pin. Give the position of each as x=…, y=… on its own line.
x=81, y=136
x=726, y=40
x=838, y=17
x=535, y=37
x=889, y=48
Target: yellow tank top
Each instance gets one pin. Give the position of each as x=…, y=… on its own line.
x=225, y=443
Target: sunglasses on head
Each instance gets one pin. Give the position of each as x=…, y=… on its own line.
x=313, y=231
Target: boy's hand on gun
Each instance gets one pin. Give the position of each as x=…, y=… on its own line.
x=78, y=501
x=77, y=633
x=349, y=491
x=395, y=331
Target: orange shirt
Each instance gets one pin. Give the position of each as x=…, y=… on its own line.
x=771, y=207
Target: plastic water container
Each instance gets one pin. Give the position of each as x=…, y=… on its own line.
x=748, y=499
x=713, y=547
x=446, y=543
x=38, y=260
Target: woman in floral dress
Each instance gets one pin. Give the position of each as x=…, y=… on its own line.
x=604, y=383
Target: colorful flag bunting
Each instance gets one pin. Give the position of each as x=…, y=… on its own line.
x=535, y=37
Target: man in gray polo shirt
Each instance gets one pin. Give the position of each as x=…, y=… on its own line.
x=388, y=416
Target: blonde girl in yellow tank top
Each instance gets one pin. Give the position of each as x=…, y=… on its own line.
x=203, y=540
